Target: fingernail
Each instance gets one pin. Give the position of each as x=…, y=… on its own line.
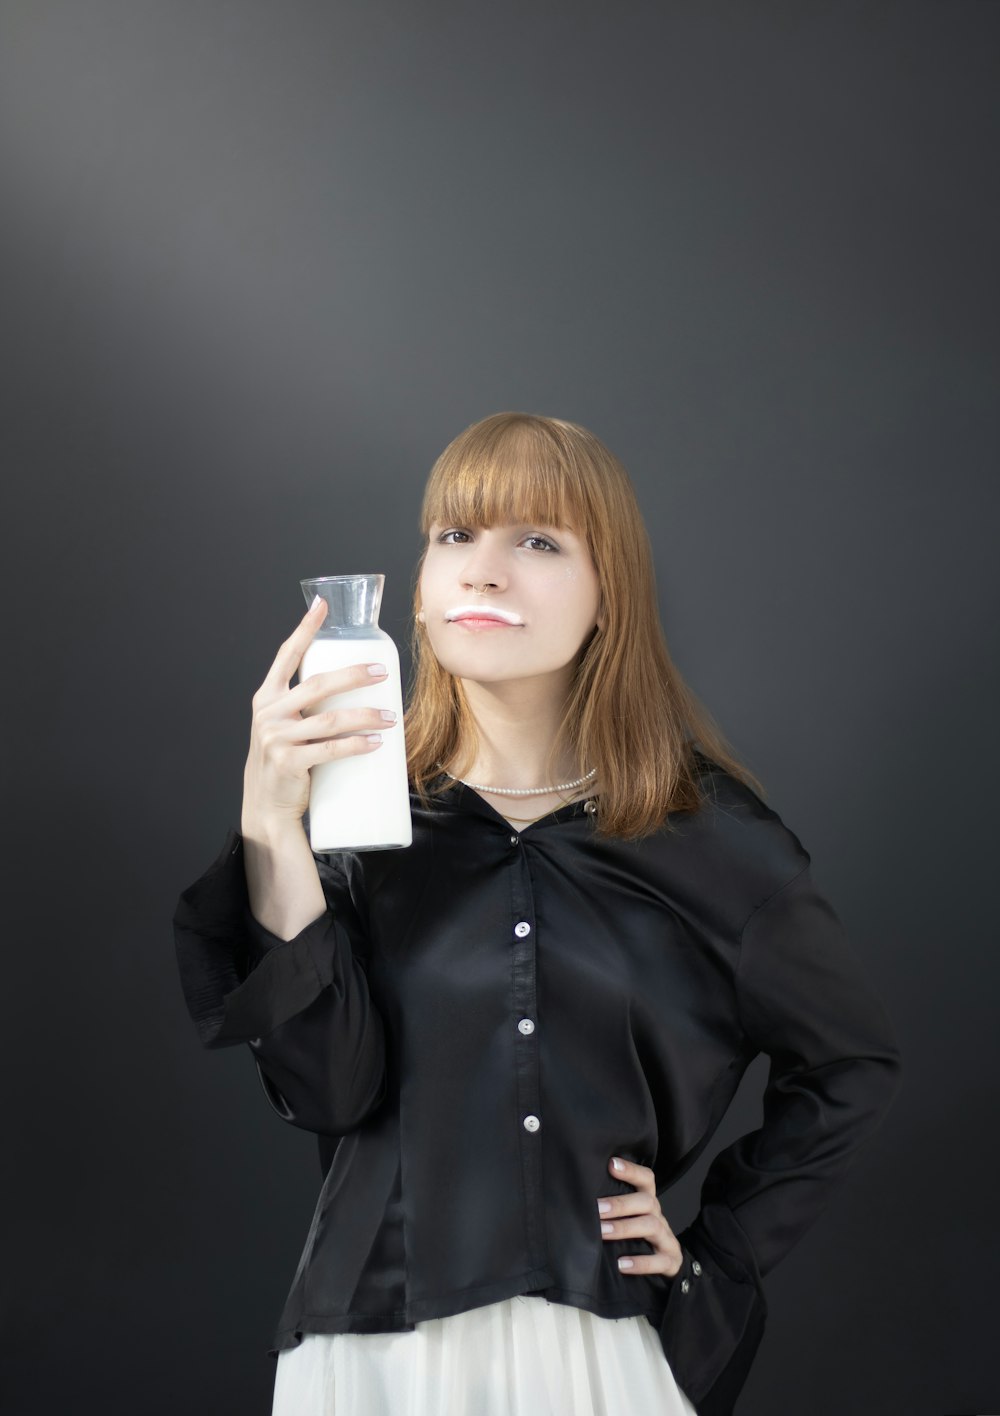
x=603, y=1206
x=388, y=715
x=607, y=1228
x=317, y=600
x=625, y=1263
x=618, y=1164
x=376, y=669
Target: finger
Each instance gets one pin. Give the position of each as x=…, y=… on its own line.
x=647, y=1263
x=667, y=1256
x=289, y=654
x=312, y=754
x=325, y=685
x=639, y=1175
x=634, y=1202
x=338, y=722
x=642, y=1226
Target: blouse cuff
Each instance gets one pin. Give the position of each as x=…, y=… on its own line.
x=239, y=980
x=715, y=1313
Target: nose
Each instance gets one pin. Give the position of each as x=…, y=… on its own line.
x=482, y=568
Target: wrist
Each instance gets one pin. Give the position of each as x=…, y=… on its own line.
x=273, y=829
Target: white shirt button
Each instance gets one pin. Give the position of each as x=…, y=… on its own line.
x=514, y=840
x=531, y=1123
x=526, y=1026
x=695, y=1266
x=522, y=929
x=685, y=1284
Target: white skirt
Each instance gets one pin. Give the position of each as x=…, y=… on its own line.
x=523, y=1356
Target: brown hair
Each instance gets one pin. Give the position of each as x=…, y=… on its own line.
x=629, y=712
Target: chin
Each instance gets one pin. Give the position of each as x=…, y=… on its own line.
x=477, y=652
x=484, y=666
x=487, y=673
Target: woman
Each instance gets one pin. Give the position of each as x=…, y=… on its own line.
x=512, y=1037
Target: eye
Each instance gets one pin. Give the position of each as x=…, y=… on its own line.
x=444, y=539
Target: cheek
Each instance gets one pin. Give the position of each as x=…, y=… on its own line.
x=575, y=592
x=435, y=638
x=426, y=583
x=562, y=579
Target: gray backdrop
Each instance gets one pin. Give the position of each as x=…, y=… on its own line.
x=261, y=262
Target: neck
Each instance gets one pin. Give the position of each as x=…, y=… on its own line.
x=517, y=724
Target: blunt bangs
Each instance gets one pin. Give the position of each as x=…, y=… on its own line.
x=504, y=474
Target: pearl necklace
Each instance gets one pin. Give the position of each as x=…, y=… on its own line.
x=523, y=791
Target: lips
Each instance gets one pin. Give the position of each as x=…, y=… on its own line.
x=482, y=622
x=480, y=614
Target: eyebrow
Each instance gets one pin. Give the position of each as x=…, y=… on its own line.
x=527, y=526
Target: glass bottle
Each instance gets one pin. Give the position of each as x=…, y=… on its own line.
x=360, y=802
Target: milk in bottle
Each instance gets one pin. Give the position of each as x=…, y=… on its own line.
x=360, y=802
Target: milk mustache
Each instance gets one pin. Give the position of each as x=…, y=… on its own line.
x=360, y=802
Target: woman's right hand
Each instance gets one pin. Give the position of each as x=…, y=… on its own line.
x=284, y=744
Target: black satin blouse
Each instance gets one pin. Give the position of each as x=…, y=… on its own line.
x=480, y=1021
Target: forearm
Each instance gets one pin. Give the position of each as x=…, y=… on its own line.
x=804, y=999
x=283, y=885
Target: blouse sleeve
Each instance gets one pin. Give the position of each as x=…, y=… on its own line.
x=302, y=1005
x=806, y=1001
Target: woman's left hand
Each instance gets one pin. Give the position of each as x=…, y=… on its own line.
x=649, y=1222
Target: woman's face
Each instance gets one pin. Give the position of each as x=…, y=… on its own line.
x=541, y=576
